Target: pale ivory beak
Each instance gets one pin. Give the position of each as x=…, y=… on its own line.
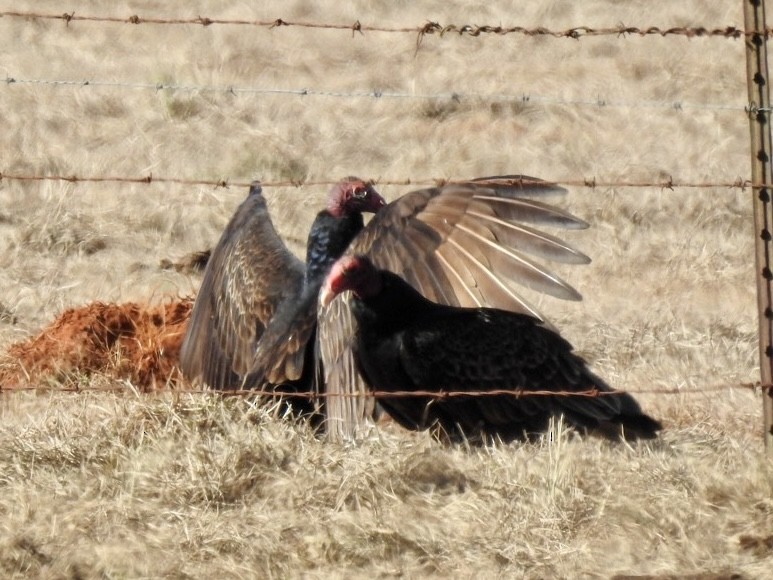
x=326, y=295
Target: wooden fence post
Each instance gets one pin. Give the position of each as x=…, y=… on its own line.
x=761, y=148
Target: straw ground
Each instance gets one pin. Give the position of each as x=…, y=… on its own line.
x=130, y=485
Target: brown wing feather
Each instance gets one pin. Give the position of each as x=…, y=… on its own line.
x=249, y=273
x=460, y=244
x=346, y=414
x=280, y=356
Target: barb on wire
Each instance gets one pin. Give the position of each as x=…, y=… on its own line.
x=147, y=179
x=427, y=29
x=593, y=183
x=438, y=395
x=598, y=102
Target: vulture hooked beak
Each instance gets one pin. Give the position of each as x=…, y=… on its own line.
x=327, y=294
x=377, y=203
x=355, y=273
x=337, y=280
x=331, y=287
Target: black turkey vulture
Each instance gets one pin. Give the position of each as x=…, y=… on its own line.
x=464, y=244
x=406, y=342
x=254, y=288
x=459, y=243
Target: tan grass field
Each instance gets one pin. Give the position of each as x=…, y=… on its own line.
x=97, y=485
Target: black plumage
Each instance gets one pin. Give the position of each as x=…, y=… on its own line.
x=406, y=342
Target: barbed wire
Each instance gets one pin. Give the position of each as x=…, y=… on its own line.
x=668, y=183
x=456, y=96
x=435, y=395
x=422, y=30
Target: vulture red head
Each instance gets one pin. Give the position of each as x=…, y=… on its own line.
x=353, y=195
x=355, y=273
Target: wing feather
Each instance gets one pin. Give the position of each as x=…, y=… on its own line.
x=508, y=266
x=280, y=356
x=492, y=286
x=531, y=211
x=347, y=414
x=527, y=239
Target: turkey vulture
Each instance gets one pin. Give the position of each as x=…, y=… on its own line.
x=462, y=244
x=256, y=315
x=254, y=288
x=406, y=342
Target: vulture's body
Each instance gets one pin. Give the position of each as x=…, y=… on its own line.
x=408, y=343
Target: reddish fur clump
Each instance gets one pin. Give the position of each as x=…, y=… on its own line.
x=129, y=341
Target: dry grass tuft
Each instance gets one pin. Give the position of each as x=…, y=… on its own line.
x=193, y=263
x=61, y=234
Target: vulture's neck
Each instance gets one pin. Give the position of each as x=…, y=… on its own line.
x=328, y=239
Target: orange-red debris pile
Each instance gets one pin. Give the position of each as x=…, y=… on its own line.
x=129, y=341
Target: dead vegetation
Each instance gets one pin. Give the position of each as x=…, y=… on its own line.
x=126, y=484
x=201, y=486
x=193, y=263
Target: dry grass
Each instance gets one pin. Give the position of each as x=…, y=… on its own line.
x=106, y=485
x=137, y=487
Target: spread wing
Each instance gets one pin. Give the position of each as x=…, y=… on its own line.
x=467, y=244
x=249, y=274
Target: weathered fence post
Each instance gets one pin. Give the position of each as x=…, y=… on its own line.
x=759, y=125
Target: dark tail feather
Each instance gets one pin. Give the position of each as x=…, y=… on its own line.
x=639, y=426
x=630, y=427
x=632, y=422
x=620, y=427
x=616, y=416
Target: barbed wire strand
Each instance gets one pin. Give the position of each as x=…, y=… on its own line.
x=437, y=395
x=457, y=96
x=427, y=29
x=591, y=183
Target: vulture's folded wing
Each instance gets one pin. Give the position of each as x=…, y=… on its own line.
x=281, y=354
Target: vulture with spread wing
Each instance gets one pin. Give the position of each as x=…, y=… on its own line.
x=405, y=342
x=255, y=290
x=464, y=244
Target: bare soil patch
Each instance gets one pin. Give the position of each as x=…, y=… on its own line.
x=130, y=342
